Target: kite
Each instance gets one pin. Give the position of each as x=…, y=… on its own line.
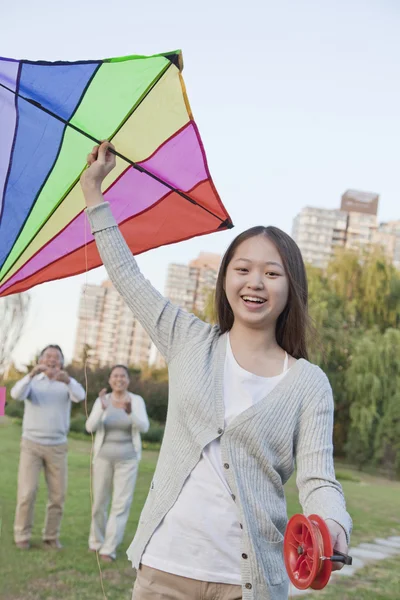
x=51, y=115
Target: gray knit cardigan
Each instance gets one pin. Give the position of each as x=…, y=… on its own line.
x=293, y=424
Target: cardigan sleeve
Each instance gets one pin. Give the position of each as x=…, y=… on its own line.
x=169, y=326
x=95, y=417
x=139, y=414
x=319, y=491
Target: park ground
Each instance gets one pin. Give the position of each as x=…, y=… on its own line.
x=73, y=573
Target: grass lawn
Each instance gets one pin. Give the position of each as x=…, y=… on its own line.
x=73, y=573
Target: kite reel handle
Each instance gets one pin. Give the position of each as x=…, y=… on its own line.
x=340, y=557
x=308, y=552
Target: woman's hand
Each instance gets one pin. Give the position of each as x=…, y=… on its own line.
x=339, y=541
x=100, y=163
x=124, y=403
x=103, y=400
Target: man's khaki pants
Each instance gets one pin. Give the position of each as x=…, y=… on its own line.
x=54, y=461
x=152, y=584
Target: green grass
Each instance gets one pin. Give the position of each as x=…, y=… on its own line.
x=379, y=581
x=73, y=573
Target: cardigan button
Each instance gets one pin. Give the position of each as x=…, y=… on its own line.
x=220, y=431
x=233, y=497
x=248, y=586
x=244, y=556
x=226, y=466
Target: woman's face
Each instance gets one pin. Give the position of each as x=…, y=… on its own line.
x=256, y=284
x=119, y=380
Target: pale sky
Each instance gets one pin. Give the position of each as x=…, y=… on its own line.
x=296, y=101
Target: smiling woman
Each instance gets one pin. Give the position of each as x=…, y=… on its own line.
x=262, y=282
x=244, y=405
x=118, y=418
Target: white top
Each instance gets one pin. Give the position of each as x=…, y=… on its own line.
x=47, y=410
x=200, y=537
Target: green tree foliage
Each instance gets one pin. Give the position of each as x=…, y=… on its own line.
x=370, y=287
x=355, y=308
x=330, y=343
x=373, y=386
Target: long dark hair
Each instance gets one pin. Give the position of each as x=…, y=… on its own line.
x=293, y=323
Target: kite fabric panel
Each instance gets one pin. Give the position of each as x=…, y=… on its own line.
x=51, y=115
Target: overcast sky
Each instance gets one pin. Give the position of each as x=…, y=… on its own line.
x=296, y=101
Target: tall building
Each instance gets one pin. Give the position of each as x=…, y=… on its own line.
x=204, y=269
x=90, y=313
x=107, y=332
x=360, y=202
x=319, y=231
x=189, y=287
x=361, y=209
x=388, y=236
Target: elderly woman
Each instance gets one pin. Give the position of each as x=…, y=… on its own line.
x=118, y=419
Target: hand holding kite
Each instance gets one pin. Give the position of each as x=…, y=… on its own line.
x=100, y=164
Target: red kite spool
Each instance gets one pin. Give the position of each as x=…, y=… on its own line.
x=308, y=552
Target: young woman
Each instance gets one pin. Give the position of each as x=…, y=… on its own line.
x=118, y=419
x=244, y=405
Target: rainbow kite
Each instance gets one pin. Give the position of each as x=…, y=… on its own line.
x=51, y=115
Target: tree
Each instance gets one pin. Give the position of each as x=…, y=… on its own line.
x=13, y=315
x=330, y=345
x=87, y=357
x=357, y=293
x=373, y=386
x=208, y=313
x=369, y=285
x=13, y=373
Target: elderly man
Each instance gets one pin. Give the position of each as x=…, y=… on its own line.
x=47, y=391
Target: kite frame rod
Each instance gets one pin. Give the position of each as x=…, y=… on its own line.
x=116, y=153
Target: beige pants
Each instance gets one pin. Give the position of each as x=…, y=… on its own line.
x=152, y=584
x=54, y=461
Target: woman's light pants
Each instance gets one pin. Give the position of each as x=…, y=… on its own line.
x=117, y=478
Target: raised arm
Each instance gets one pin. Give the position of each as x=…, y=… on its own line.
x=168, y=325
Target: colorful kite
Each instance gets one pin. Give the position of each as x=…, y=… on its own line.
x=51, y=115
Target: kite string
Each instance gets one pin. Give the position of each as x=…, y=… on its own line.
x=86, y=404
